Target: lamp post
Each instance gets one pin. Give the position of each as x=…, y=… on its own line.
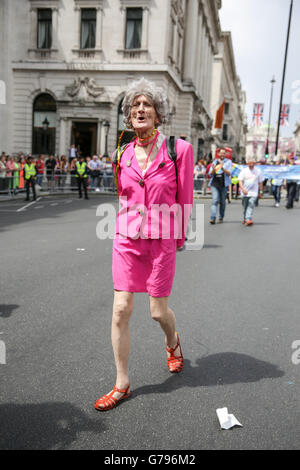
x=283, y=76
x=45, y=124
x=106, y=126
x=273, y=81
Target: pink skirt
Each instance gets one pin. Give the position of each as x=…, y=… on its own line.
x=144, y=265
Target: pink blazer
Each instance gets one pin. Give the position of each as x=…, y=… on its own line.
x=149, y=206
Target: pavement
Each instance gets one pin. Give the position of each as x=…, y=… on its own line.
x=237, y=307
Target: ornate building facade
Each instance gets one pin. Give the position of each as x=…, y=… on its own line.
x=66, y=65
x=226, y=86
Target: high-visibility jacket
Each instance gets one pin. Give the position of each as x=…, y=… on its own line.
x=30, y=171
x=81, y=169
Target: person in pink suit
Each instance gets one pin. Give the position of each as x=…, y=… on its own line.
x=155, y=205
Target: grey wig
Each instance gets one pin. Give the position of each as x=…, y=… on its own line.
x=155, y=94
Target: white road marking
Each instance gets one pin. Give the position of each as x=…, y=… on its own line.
x=27, y=205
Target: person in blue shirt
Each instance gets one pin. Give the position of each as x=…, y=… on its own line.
x=220, y=173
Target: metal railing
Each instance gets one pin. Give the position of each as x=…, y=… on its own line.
x=57, y=183
x=10, y=186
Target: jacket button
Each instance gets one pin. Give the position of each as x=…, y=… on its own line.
x=142, y=183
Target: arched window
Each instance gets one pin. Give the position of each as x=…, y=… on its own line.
x=44, y=125
x=128, y=135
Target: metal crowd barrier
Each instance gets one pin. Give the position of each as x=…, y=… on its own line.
x=10, y=186
x=57, y=183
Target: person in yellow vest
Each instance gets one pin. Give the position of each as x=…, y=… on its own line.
x=81, y=176
x=30, y=175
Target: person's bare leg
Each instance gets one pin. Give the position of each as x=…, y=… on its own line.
x=120, y=336
x=161, y=312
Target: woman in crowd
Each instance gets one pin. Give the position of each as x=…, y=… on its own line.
x=3, y=179
x=146, y=176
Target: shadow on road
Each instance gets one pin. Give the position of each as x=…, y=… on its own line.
x=216, y=369
x=43, y=426
x=7, y=309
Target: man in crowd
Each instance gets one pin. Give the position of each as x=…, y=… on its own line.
x=50, y=166
x=72, y=153
x=30, y=175
x=220, y=172
x=250, y=182
x=40, y=167
x=291, y=187
x=81, y=176
x=94, y=166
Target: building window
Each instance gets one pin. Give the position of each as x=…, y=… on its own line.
x=134, y=18
x=44, y=125
x=44, y=30
x=226, y=111
x=88, y=28
x=225, y=132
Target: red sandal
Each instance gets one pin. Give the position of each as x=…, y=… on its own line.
x=109, y=402
x=175, y=363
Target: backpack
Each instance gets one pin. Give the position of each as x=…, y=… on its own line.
x=171, y=148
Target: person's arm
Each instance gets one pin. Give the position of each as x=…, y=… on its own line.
x=241, y=185
x=260, y=184
x=212, y=171
x=185, y=189
x=228, y=170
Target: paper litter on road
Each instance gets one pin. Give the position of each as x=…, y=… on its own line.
x=227, y=421
x=80, y=249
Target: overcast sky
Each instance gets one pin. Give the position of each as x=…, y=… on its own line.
x=259, y=31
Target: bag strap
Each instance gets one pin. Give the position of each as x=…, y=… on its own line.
x=171, y=147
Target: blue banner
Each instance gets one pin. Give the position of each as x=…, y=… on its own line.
x=288, y=172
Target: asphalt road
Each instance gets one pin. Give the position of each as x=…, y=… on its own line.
x=237, y=306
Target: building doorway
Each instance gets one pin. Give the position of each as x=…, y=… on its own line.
x=84, y=136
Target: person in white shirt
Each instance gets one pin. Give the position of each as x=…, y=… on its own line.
x=250, y=181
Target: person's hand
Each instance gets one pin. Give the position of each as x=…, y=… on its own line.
x=245, y=192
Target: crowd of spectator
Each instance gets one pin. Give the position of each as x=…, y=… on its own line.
x=54, y=173
x=57, y=173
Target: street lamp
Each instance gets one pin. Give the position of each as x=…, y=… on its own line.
x=283, y=75
x=106, y=126
x=45, y=124
x=273, y=81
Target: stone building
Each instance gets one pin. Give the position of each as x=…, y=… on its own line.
x=226, y=86
x=66, y=65
x=256, y=144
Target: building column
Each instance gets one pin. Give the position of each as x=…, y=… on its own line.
x=33, y=25
x=98, y=44
x=99, y=127
x=190, y=41
x=145, y=26
x=77, y=24
x=54, y=28
x=62, y=136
